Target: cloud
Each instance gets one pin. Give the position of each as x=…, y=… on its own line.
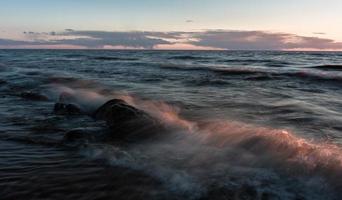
x=210, y=39
x=318, y=33
x=9, y=42
x=261, y=40
x=97, y=39
x=101, y=39
x=189, y=21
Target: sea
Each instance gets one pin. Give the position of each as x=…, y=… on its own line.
x=245, y=125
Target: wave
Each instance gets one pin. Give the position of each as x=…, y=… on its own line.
x=75, y=57
x=214, y=151
x=204, y=153
x=250, y=73
x=110, y=58
x=239, y=71
x=271, y=63
x=206, y=82
x=322, y=77
x=258, y=74
x=329, y=67
x=206, y=68
x=260, y=78
x=280, y=145
x=189, y=58
x=217, y=70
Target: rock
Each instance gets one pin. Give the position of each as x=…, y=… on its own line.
x=127, y=122
x=33, y=96
x=67, y=109
x=116, y=111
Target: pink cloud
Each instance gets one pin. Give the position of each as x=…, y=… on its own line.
x=200, y=40
x=183, y=46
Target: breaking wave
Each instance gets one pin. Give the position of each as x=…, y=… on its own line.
x=207, y=152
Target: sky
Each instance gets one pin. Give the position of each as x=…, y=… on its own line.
x=172, y=24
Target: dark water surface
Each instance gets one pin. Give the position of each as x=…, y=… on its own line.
x=251, y=125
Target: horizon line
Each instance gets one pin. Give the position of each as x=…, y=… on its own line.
x=99, y=49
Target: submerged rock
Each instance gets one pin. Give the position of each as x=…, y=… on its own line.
x=33, y=96
x=67, y=109
x=127, y=122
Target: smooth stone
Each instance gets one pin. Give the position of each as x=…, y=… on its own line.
x=127, y=122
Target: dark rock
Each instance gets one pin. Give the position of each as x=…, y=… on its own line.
x=127, y=122
x=67, y=109
x=33, y=96
x=116, y=111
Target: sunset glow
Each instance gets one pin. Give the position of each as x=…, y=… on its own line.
x=108, y=24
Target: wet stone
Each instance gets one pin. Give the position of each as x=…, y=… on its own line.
x=127, y=122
